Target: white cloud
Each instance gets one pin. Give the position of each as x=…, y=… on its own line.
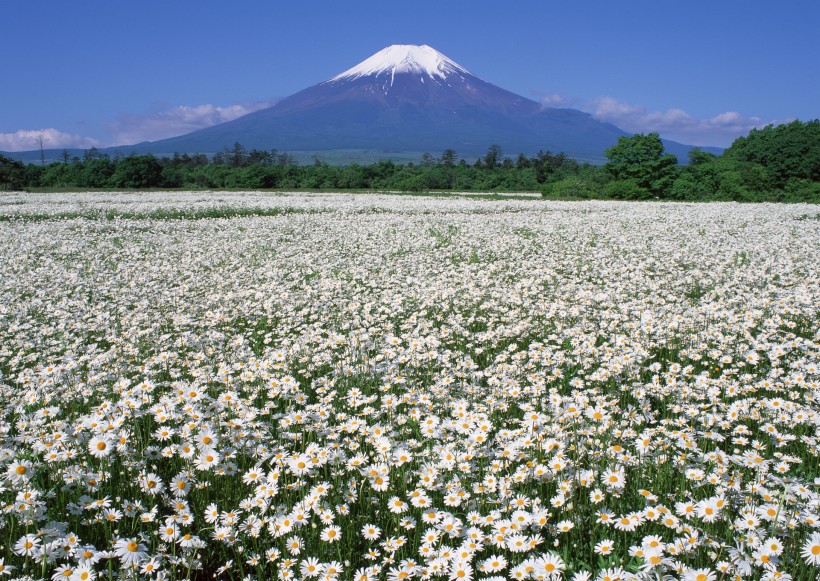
x=132, y=128
x=556, y=100
x=29, y=139
x=676, y=124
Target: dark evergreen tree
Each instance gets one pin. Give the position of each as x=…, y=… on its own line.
x=12, y=174
x=493, y=156
x=448, y=158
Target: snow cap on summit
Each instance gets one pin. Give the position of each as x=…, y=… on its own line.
x=405, y=58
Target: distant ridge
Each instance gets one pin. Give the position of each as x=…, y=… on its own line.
x=404, y=98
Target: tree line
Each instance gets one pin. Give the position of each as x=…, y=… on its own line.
x=775, y=163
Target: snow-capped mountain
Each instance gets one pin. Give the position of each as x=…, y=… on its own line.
x=404, y=58
x=402, y=76
x=405, y=98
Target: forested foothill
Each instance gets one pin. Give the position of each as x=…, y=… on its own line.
x=776, y=163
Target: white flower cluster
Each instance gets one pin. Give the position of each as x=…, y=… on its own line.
x=299, y=386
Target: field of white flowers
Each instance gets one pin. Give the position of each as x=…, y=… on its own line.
x=263, y=386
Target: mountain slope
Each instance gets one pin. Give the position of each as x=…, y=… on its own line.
x=406, y=98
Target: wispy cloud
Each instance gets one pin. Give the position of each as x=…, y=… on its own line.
x=675, y=123
x=132, y=128
x=556, y=100
x=29, y=139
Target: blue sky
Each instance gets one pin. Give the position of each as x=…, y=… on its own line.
x=111, y=72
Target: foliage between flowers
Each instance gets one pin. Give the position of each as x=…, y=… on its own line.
x=371, y=387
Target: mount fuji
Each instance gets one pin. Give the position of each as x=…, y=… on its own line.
x=412, y=99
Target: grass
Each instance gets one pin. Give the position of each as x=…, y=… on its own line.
x=221, y=212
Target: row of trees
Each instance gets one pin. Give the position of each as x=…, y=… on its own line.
x=774, y=163
x=268, y=170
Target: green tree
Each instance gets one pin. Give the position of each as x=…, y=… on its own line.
x=493, y=156
x=257, y=157
x=640, y=160
x=97, y=172
x=137, y=172
x=63, y=175
x=572, y=187
x=427, y=160
x=11, y=174
x=789, y=151
x=448, y=158
x=91, y=154
x=522, y=161
x=238, y=155
x=715, y=177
